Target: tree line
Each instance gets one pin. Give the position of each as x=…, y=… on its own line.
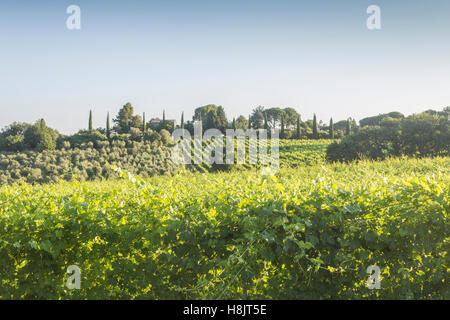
x=130, y=126
x=391, y=135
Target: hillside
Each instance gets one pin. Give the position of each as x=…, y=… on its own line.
x=142, y=158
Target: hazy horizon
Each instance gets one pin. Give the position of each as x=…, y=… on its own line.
x=318, y=57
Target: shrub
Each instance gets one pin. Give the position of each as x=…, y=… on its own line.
x=154, y=136
x=13, y=143
x=135, y=134
x=419, y=135
x=39, y=137
x=165, y=136
x=83, y=137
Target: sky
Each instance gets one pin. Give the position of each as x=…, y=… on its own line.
x=316, y=56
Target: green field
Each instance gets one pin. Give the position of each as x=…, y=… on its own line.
x=307, y=232
x=294, y=153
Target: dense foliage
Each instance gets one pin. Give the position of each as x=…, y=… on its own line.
x=376, y=120
x=23, y=136
x=212, y=116
x=87, y=162
x=309, y=232
x=422, y=135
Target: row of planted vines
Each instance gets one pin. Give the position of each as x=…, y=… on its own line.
x=307, y=232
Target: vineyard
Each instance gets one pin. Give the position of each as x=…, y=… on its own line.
x=225, y=159
x=309, y=232
x=92, y=163
x=292, y=153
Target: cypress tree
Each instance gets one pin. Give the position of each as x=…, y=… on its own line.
x=298, y=128
x=331, y=129
x=182, y=120
x=201, y=123
x=347, y=128
x=90, y=120
x=266, y=125
x=282, y=134
x=42, y=125
x=249, y=125
x=108, y=129
x=144, y=125
x=234, y=124
x=315, y=128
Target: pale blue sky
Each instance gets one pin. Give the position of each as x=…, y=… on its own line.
x=316, y=56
